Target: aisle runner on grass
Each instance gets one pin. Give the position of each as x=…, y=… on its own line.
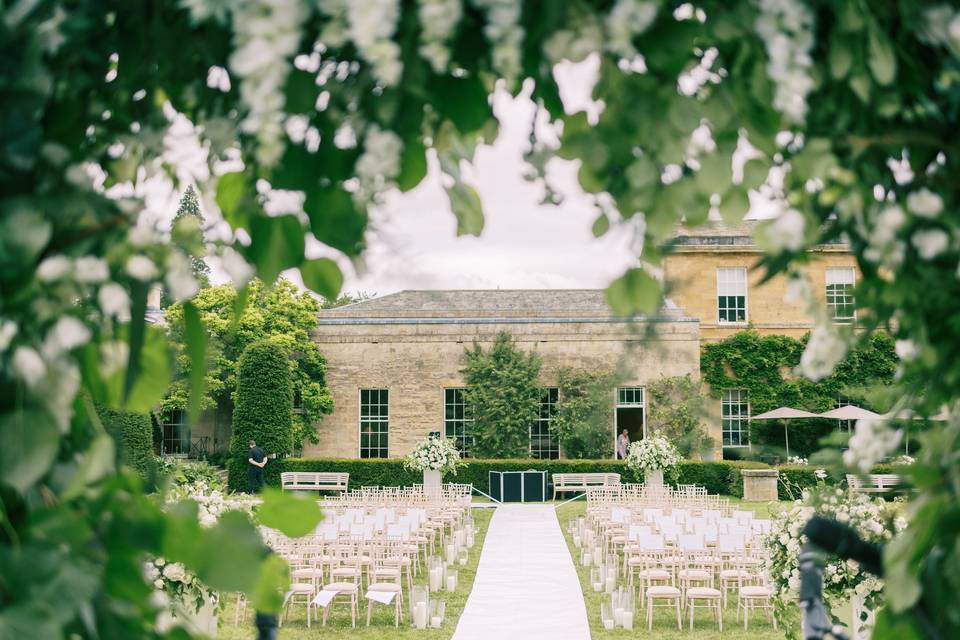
x=526, y=586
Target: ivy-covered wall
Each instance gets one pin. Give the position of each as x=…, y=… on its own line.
x=764, y=365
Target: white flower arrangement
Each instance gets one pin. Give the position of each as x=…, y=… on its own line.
x=652, y=453
x=872, y=518
x=177, y=585
x=434, y=454
x=798, y=460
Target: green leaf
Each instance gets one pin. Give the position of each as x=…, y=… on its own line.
x=413, y=164
x=267, y=594
x=466, y=206
x=293, y=515
x=322, y=276
x=881, y=57
x=152, y=377
x=840, y=57
x=902, y=587
x=28, y=445
x=589, y=180
x=138, y=311
x=634, y=292
x=735, y=205
x=715, y=174
x=97, y=461
x=642, y=173
x=600, y=226
x=890, y=626
x=276, y=244
x=196, y=340
x=335, y=219
x=463, y=101
x=755, y=173
x=860, y=85
x=229, y=193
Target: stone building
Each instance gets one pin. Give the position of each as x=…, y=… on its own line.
x=711, y=276
x=394, y=363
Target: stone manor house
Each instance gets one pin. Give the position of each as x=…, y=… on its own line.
x=394, y=362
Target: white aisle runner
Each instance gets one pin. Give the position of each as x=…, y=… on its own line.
x=526, y=586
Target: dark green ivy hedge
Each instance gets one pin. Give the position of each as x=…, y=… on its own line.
x=718, y=477
x=264, y=401
x=133, y=434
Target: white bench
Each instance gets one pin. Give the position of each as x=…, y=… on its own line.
x=873, y=483
x=314, y=481
x=565, y=482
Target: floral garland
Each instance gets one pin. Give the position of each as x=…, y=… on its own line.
x=178, y=587
x=652, y=453
x=434, y=454
x=873, y=519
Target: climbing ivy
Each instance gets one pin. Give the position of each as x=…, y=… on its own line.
x=764, y=365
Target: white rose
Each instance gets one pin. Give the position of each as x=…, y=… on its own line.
x=158, y=583
x=90, y=269
x=141, y=268
x=114, y=301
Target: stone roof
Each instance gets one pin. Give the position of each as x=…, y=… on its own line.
x=486, y=304
x=719, y=236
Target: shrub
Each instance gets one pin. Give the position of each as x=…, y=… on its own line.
x=264, y=401
x=133, y=434
x=582, y=422
x=504, y=394
x=677, y=410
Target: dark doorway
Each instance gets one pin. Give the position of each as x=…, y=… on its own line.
x=631, y=419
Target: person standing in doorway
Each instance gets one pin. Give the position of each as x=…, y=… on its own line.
x=623, y=443
x=255, y=464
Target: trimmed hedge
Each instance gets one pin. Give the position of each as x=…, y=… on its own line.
x=718, y=477
x=264, y=406
x=133, y=434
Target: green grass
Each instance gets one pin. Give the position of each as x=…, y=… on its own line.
x=664, y=620
x=381, y=627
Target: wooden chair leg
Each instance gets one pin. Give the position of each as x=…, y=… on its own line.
x=649, y=614
x=679, y=623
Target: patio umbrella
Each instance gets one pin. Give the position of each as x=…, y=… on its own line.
x=785, y=414
x=851, y=412
x=909, y=414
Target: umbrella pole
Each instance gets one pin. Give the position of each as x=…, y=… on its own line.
x=786, y=436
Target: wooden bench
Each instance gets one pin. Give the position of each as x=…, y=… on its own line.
x=565, y=482
x=873, y=483
x=314, y=481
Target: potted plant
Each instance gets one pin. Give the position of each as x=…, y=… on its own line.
x=433, y=456
x=652, y=456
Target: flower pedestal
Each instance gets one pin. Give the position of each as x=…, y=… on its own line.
x=653, y=477
x=202, y=621
x=432, y=481
x=861, y=629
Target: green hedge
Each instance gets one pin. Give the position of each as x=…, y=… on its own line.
x=794, y=479
x=133, y=434
x=264, y=401
x=718, y=477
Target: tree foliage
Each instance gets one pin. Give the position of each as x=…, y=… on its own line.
x=503, y=392
x=583, y=422
x=264, y=400
x=187, y=232
x=133, y=433
x=677, y=409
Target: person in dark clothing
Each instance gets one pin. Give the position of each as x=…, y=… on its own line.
x=256, y=461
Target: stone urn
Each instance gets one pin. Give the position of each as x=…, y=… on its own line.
x=432, y=481
x=653, y=477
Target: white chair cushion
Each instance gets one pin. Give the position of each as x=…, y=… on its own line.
x=756, y=592
x=384, y=586
x=655, y=574
x=301, y=587
x=663, y=591
x=341, y=587
x=703, y=592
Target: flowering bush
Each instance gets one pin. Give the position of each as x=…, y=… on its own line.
x=798, y=460
x=187, y=472
x=873, y=519
x=652, y=453
x=435, y=454
x=903, y=460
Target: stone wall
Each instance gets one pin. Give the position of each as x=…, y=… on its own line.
x=417, y=359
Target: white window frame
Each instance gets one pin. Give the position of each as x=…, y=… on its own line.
x=462, y=441
x=379, y=419
x=543, y=427
x=181, y=423
x=743, y=421
x=848, y=278
x=724, y=286
x=642, y=403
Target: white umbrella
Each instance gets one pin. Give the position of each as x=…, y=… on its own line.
x=851, y=412
x=785, y=414
x=909, y=414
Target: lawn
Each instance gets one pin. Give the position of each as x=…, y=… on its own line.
x=381, y=627
x=664, y=622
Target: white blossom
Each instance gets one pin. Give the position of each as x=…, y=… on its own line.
x=823, y=352
x=787, y=30
x=628, y=19
x=574, y=44
x=179, y=278
x=67, y=334
x=236, y=266
x=930, y=242
x=53, y=268
x=90, y=269
x=870, y=443
x=652, y=453
x=113, y=357
x=438, y=23
x=379, y=164
x=141, y=235
x=174, y=571
x=370, y=25
x=787, y=231
x=504, y=32
x=28, y=365
x=141, y=268
x=8, y=330
x=114, y=301
x=925, y=203
x=907, y=350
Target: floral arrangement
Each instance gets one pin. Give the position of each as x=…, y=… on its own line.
x=179, y=587
x=798, y=460
x=652, y=453
x=872, y=518
x=903, y=460
x=434, y=454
